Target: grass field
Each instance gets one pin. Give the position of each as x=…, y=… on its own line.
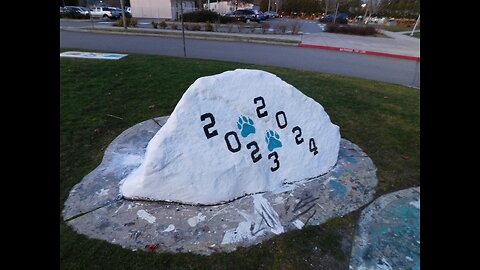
x=101, y=98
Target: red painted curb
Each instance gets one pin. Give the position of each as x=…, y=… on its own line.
x=360, y=51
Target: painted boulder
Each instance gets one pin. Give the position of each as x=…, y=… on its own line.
x=232, y=134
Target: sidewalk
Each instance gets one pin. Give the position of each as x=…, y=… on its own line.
x=396, y=45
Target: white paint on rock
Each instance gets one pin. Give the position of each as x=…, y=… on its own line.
x=182, y=165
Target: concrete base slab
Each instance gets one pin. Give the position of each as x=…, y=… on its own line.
x=95, y=207
x=388, y=233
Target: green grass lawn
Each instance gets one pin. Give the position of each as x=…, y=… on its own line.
x=382, y=118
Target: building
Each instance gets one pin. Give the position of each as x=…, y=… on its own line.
x=223, y=7
x=160, y=9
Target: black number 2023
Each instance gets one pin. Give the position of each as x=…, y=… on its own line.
x=206, y=128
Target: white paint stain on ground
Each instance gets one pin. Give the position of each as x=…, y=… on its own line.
x=257, y=224
x=170, y=228
x=265, y=210
x=131, y=160
x=193, y=221
x=298, y=223
x=102, y=192
x=146, y=216
x=416, y=204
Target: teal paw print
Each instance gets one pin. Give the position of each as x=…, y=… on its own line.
x=245, y=124
x=273, y=140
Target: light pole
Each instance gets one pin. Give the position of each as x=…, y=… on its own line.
x=364, y=5
x=123, y=15
x=183, y=29
x=336, y=11
x=415, y=26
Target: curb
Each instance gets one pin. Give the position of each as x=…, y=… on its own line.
x=415, y=58
x=187, y=36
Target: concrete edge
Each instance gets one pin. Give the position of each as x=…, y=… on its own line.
x=246, y=39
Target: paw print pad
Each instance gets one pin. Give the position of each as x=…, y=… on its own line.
x=245, y=124
x=273, y=140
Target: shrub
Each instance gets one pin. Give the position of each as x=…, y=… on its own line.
x=241, y=26
x=295, y=27
x=363, y=30
x=130, y=22
x=280, y=27
x=174, y=26
x=196, y=27
x=341, y=20
x=208, y=26
x=265, y=27
x=201, y=16
x=155, y=24
x=163, y=24
x=225, y=20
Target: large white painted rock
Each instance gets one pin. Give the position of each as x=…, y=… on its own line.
x=232, y=134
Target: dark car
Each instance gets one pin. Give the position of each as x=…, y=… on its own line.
x=271, y=14
x=331, y=18
x=81, y=10
x=260, y=14
x=246, y=15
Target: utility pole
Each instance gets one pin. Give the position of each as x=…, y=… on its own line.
x=268, y=5
x=183, y=29
x=123, y=15
x=415, y=26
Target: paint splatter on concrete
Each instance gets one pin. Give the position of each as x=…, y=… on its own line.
x=388, y=233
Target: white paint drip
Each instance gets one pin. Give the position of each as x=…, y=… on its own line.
x=257, y=224
x=170, y=228
x=298, y=223
x=264, y=209
x=193, y=221
x=146, y=216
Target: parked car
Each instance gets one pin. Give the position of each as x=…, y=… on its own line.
x=271, y=14
x=127, y=14
x=330, y=18
x=81, y=10
x=105, y=13
x=246, y=15
x=260, y=14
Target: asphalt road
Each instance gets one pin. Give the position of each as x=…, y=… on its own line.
x=387, y=69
